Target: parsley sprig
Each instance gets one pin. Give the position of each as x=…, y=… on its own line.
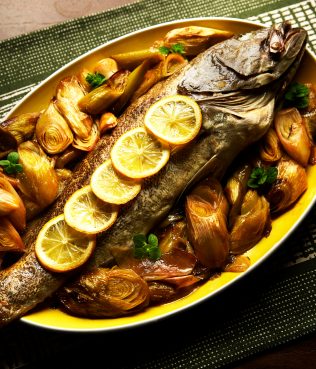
x=95, y=79
x=146, y=247
x=11, y=164
x=176, y=49
x=297, y=95
x=261, y=176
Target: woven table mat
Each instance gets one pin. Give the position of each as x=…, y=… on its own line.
x=275, y=304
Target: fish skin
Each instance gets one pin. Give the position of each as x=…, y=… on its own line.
x=226, y=131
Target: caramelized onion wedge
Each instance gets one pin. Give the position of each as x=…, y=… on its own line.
x=52, y=131
x=171, y=264
x=8, y=202
x=22, y=126
x=174, y=237
x=132, y=59
x=270, y=149
x=69, y=93
x=292, y=134
x=289, y=186
x=239, y=264
x=107, y=121
x=89, y=143
x=206, y=209
x=10, y=240
x=99, y=99
x=252, y=224
x=151, y=77
x=134, y=80
x=172, y=64
x=17, y=216
x=235, y=191
x=38, y=181
x=195, y=39
x=69, y=156
x=107, y=67
x=7, y=141
x=106, y=293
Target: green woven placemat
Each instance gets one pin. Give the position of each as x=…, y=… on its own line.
x=275, y=304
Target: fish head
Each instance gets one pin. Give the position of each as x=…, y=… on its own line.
x=246, y=61
x=236, y=84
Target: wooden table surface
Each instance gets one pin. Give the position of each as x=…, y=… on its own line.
x=21, y=16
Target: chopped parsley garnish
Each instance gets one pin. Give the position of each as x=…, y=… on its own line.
x=164, y=50
x=297, y=95
x=176, y=49
x=146, y=247
x=261, y=176
x=11, y=164
x=95, y=79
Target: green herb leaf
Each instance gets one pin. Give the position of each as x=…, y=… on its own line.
x=146, y=247
x=13, y=157
x=164, y=50
x=4, y=163
x=11, y=165
x=139, y=240
x=297, y=95
x=9, y=169
x=95, y=80
x=153, y=240
x=261, y=176
x=18, y=168
x=177, y=48
x=154, y=253
x=272, y=174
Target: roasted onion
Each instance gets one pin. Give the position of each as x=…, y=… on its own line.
x=151, y=77
x=172, y=64
x=7, y=142
x=235, y=191
x=8, y=202
x=17, y=216
x=107, y=67
x=99, y=99
x=69, y=92
x=38, y=181
x=195, y=39
x=10, y=240
x=132, y=59
x=106, y=293
x=270, y=149
x=52, y=131
x=69, y=156
x=206, y=210
x=174, y=236
x=134, y=80
x=22, y=126
x=89, y=143
x=107, y=121
x=175, y=263
x=252, y=224
x=292, y=134
x=289, y=186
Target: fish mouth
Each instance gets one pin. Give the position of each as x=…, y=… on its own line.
x=284, y=41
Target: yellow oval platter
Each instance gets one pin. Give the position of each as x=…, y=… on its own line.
x=282, y=227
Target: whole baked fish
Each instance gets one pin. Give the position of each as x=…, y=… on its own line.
x=236, y=83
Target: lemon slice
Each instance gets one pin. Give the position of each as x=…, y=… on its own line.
x=137, y=154
x=61, y=248
x=87, y=213
x=109, y=186
x=174, y=119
